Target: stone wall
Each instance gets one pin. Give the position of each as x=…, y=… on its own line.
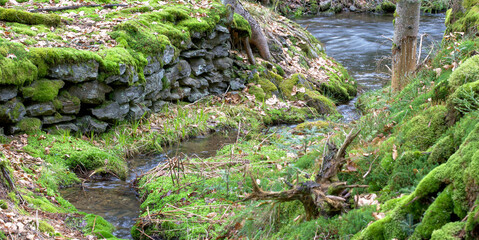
x=73, y=97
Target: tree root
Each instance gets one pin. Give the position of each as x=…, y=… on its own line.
x=313, y=194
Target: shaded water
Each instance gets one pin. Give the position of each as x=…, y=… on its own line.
x=360, y=43
x=116, y=200
x=357, y=41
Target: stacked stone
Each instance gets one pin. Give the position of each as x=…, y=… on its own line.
x=83, y=103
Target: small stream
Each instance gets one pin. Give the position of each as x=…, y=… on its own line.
x=357, y=41
x=117, y=201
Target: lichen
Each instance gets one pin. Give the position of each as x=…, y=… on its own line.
x=43, y=90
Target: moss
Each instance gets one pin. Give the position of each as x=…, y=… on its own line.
x=2, y=234
x=43, y=204
x=472, y=224
x=286, y=85
x=450, y=231
x=3, y=204
x=467, y=22
x=467, y=72
x=43, y=90
x=319, y=102
x=45, y=227
x=113, y=57
x=241, y=25
x=438, y=214
x=422, y=130
x=13, y=15
x=388, y=6
x=18, y=70
x=442, y=150
x=309, y=125
x=98, y=226
x=77, y=154
x=30, y=125
x=257, y=92
x=268, y=87
x=408, y=169
x=44, y=58
x=307, y=161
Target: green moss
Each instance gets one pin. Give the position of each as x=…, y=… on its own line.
x=286, y=85
x=319, y=102
x=408, y=169
x=44, y=58
x=98, y=226
x=257, y=92
x=309, y=125
x=13, y=15
x=45, y=227
x=268, y=87
x=3, y=204
x=241, y=25
x=307, y=161
x=388, y=6
x=449, y=231
x=437, y=215
x=442, y=150
x=113, y=57
x=30, y=125
x=422, y=130
x=43, y=90
x=467, y=72
x=467, y=22
x=17, y=70
x=43, y=204
x=76, y=153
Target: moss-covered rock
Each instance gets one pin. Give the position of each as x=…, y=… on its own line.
x=422, y=130
x=387, y=6
x=449, y=231
x=442, y=150
x=43, y=90
x=258, y=92
x=467, y=72
x=466, y=22
x=45, y=227
x=30, y=125
x=310, y=125
x=19, y=16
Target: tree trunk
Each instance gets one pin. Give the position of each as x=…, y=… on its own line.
x=257, y=37
x=406, y=28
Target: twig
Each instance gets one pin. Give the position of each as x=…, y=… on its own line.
x=93, y=228
x=342, y=150
x=144, y=233
x=370, y=167
x=420, y=48
x=76, y=7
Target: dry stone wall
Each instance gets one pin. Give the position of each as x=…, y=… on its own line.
x=75, y=98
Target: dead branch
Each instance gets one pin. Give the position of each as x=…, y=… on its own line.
x=312, y=194
x=55, y=9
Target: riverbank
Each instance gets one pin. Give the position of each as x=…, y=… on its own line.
x=106, y=97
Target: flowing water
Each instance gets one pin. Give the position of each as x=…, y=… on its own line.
x=358, y=41
x=117, y=201
x=361, y=43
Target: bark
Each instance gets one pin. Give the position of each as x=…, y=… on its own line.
x=247, y=47
x=406, y=28
x=317, y=197
x=258, y=39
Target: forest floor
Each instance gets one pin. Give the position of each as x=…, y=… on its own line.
x=407, y=153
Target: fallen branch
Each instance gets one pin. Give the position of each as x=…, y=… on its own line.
x=55, y=9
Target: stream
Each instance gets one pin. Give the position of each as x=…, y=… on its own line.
x=358, y=41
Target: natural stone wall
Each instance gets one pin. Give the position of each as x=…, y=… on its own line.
x=76, y=97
